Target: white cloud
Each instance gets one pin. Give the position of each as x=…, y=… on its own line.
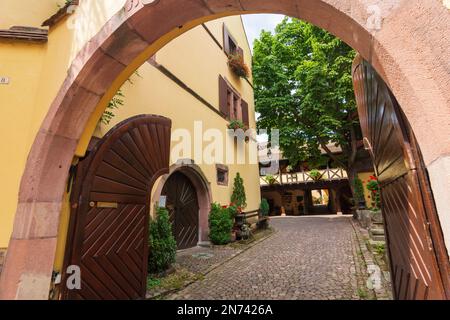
x=255, y=23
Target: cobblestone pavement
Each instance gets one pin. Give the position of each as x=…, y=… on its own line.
x=308, y=258
x=200, y=260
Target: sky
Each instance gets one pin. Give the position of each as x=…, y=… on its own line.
x=255, y=23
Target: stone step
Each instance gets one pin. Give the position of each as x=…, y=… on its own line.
x=380, y=238
x=376, y=234
x=375, y=243
x=376, y=231
x=379, y=225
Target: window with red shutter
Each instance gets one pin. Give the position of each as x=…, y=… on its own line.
x=245, y=113
x=231, y=104
x=223, y=97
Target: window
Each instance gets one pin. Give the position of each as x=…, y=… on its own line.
x=232, y=106
x=229, y=43
x=222, y=175
x=320, y=197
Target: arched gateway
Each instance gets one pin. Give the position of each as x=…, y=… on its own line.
x=410, y=57
x=182, y=203
x=189, y=199
x=110, y=203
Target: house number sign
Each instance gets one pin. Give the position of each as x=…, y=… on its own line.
x=4, y=80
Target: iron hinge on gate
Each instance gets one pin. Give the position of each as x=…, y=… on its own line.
x=72, y=176
x=429, y=240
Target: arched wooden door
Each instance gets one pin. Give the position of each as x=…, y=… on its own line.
x=419, y=260
x=110, y=209
x=182, y=202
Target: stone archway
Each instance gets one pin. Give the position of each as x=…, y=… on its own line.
x=203, y=189
x=412, y=59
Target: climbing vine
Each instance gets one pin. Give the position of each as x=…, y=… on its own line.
x=116, y=102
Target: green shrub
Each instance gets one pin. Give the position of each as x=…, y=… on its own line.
x=162, y=244
x=358, y=191
x=220, y=225
x=238, y=197
x=264, y=208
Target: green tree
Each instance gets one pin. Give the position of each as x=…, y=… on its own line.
x=238, y=197
x=303, y=87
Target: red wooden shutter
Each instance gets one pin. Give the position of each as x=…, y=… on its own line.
x=240, y=51
x=226, y=41
x=245, y=114
x=223, y=97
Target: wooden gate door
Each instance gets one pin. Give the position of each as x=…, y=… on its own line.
x=182, y=203
x=110, y=209
x=418, y=258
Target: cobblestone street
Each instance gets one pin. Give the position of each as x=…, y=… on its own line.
x=307, y=258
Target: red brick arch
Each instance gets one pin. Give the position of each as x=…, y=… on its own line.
x=411, y=51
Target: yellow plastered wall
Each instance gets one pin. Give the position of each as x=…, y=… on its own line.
x=197, y=46
x=29, y=13
x=154, y=93
x=151, y=92
x=36, y=73
x=22, y=64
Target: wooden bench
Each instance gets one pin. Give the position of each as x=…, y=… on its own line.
x=260, y=222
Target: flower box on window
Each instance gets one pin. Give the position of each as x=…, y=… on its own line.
x=238, y=66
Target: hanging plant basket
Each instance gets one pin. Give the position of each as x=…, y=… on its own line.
x=238, y=66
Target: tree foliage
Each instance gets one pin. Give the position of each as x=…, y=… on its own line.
x=303, y=87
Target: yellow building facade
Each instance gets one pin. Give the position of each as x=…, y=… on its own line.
x=184, y=88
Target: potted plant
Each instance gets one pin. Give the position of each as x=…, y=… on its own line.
x=315, y=175
x=360, y=201
x=264, y=210
x=238, y=203
x=374, y=187
x=236, y=125
x=238, y=66
x=238, y=197
x=271, y=180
